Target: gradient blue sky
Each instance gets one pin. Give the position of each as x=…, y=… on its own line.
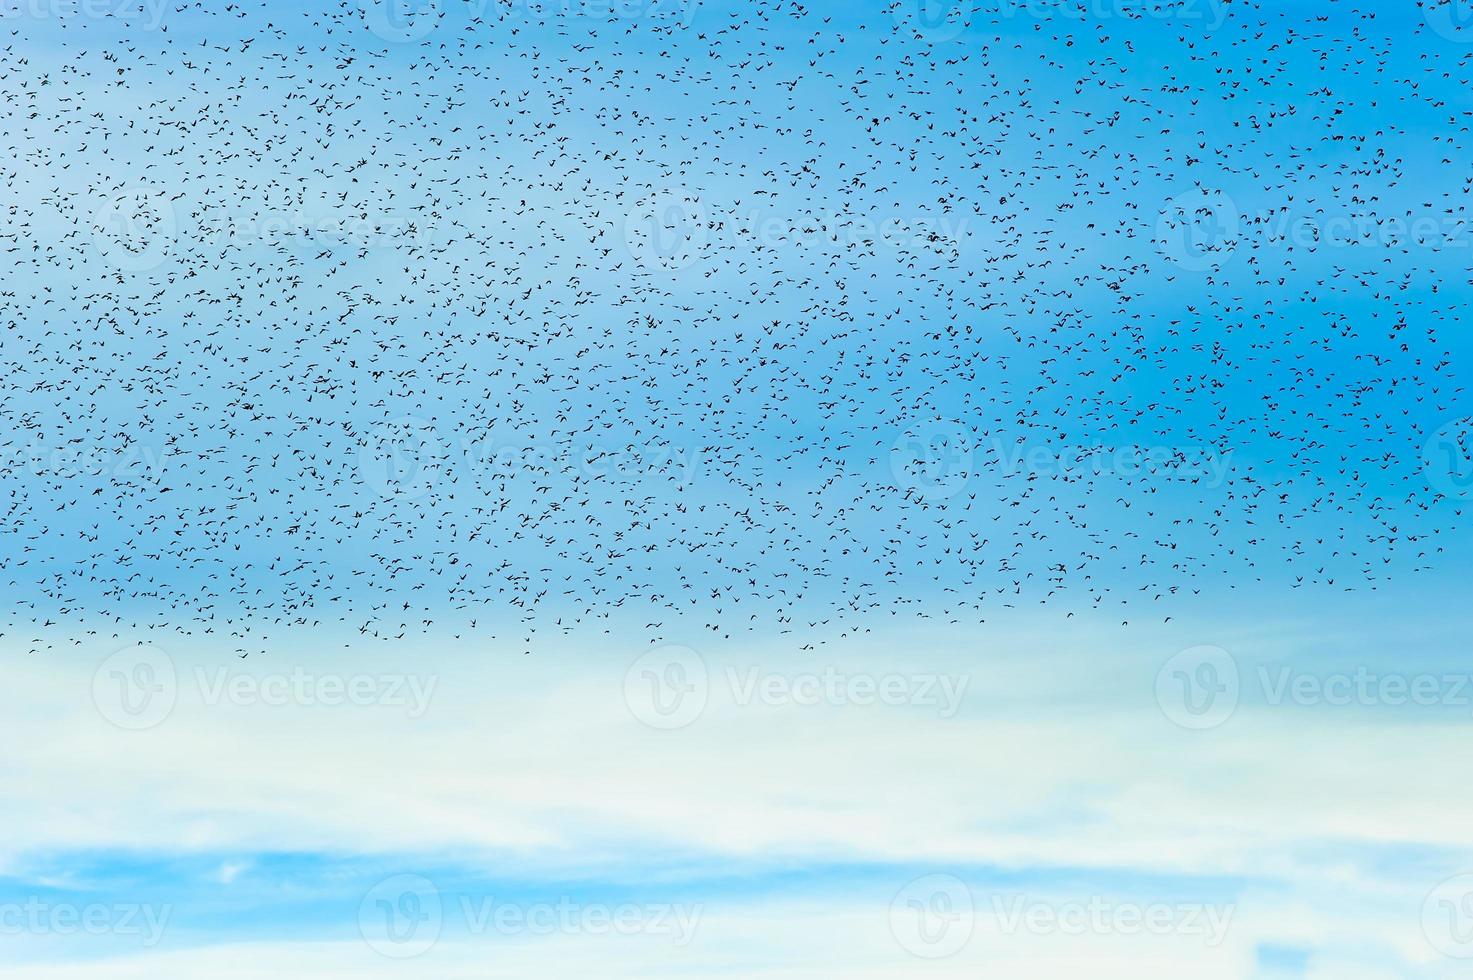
x=147, y=775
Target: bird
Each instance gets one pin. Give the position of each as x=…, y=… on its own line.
x=699, y=320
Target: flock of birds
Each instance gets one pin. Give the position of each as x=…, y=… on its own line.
x=704, y=317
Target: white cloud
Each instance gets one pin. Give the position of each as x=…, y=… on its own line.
x=1059, y=758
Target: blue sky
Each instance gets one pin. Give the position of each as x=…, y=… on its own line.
x=1235, y=750
x=784, y=830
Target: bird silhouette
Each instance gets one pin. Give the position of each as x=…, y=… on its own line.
x=711, y=319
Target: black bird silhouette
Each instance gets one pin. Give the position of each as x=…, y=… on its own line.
x=718, y=319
